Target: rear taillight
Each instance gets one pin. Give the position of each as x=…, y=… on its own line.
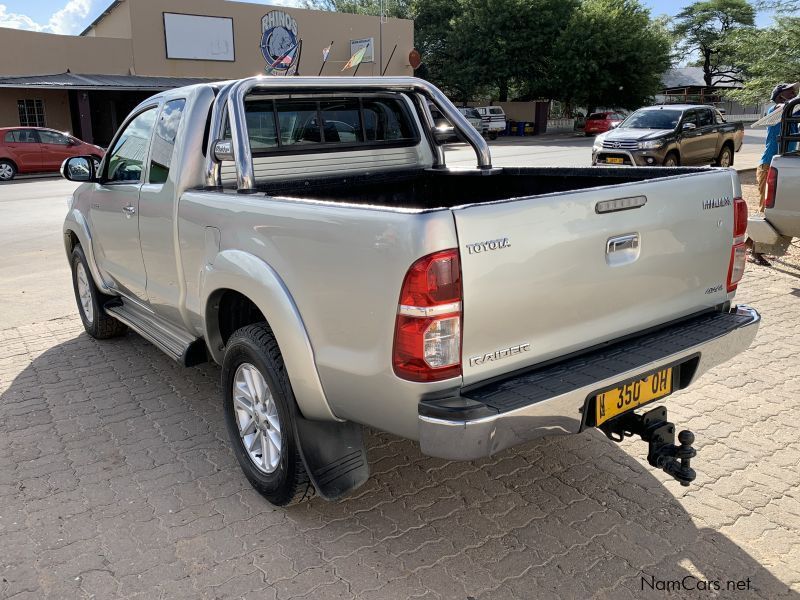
x=427, y=336
x=738, y=250
x=772, y=187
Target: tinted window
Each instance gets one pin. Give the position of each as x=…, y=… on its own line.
x=298, y=122
x=704, y=117
x=385, y=120
x=22, y=136
x=597, y=116
x=164, y=140
x=260, y=116
x=341, y=121
x=689, y=117
x=496, y=111
x=51, y=137
x=652, y=119
x=126, y=159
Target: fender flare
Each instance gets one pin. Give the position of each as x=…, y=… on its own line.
x=250, y=276
x=75, y=224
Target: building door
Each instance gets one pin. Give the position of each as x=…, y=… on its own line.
x=114, y=210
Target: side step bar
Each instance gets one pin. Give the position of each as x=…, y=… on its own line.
x=179, y=346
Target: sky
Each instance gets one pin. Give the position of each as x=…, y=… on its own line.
x=72, y=16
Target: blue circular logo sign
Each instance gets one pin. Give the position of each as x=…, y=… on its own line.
x=278, y=37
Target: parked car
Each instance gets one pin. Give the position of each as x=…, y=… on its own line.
x=38, y=150
x=474, y=118
x=494, y=120
x=670, y=135
x=773, y=231
x=362, y=282
x=600, y=122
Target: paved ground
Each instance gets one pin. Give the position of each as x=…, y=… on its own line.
x=116, y=480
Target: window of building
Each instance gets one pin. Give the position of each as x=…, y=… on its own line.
x=31, y=113
x=164, y=140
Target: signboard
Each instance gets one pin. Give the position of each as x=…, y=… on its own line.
x=278, y=37
x=369, y=43
x=196, y=37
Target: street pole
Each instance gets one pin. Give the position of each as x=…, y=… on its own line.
x=380, y=40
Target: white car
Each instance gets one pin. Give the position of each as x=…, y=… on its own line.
x=474, y=118
x=494, y=119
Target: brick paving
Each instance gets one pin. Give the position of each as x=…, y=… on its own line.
x=116, y=480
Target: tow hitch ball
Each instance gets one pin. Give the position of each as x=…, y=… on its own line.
x=659, y=433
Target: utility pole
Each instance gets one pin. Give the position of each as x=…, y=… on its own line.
x=380, y=39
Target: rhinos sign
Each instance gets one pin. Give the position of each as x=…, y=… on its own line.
x=279, y=36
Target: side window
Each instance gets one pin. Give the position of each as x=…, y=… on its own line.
x=298, y=122
x=385, y=120
x=341, y=121
x=704, y=117
x=51, y=137
x=718, y=118
x=164, y=140
x=22, y=136
x=690, y=116
x=126, y=160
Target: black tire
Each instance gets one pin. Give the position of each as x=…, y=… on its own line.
x=8, y=170
x=289, y=482
x=492, y=135
x=99, y=325
x=672, y=159
x=718, y=162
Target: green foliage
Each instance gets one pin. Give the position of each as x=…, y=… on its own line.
x=768, y=56
x=611, y=54
x=391, y=8
x=704, y=27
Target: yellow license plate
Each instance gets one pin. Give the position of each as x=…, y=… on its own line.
x=636, y=393
x=615, y=161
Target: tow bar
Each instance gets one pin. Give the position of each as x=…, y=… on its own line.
x=659, y=433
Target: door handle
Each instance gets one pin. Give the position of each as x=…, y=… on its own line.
x=129, y=210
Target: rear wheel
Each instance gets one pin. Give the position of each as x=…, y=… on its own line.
x=492, y=135
x=7, y=170
x=259, y=415
x=672, y=160
x=725, y=158
x=90, y=300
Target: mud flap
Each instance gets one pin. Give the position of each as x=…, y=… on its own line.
x=334, y=455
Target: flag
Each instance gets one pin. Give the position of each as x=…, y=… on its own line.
x=285, y=60
x=356, y=59
x=325, y=53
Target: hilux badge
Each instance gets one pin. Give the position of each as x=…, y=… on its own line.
x=716, y=202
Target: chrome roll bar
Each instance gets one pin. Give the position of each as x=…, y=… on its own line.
x=233, y=95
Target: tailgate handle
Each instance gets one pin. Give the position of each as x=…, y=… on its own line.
x=622, y=249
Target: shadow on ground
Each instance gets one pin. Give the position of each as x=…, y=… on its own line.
x=116, y=479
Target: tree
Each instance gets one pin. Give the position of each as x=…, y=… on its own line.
x=704, y=26
x=768, y=56
x=611, y=54
x=400, y=9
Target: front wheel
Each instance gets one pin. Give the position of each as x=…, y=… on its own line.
x=90, y=300
x=492, y=135
x=259, y=415
x=671, y=160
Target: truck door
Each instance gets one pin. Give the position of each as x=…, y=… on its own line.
x=709, y=135
x=156, y=220
x=114, y=210
x=691, y=144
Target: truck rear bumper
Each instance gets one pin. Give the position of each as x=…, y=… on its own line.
x=556, y=398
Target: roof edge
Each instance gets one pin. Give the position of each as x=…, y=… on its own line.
x=109, y=9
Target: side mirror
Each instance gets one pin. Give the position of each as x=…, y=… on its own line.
x=445, y=134
x=613, y=125
x=78, y=168
x=689, y=127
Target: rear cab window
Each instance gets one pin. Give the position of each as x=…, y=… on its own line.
x=307, y=125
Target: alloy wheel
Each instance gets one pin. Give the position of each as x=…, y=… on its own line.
x=84, y=293
x=257, y=418
x=6, y=172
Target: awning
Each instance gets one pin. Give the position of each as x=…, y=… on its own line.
x=75, y=81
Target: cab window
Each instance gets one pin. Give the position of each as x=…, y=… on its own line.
x=126, y=159
x=164, y=140
x=704, y=117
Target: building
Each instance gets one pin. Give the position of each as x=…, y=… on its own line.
x=87, y=84
x=688, y=84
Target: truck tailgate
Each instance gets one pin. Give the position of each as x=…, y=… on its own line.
x=549, y=275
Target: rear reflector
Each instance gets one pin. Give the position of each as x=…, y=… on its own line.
x=736, y=267
x=739, y=220
x=772, y=187
x=427, y=338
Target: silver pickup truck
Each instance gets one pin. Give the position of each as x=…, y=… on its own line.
x=305, y=234
x=773, y=231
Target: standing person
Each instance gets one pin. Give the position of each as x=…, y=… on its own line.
x=783, y=92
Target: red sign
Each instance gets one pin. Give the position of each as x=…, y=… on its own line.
x=414, y=59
